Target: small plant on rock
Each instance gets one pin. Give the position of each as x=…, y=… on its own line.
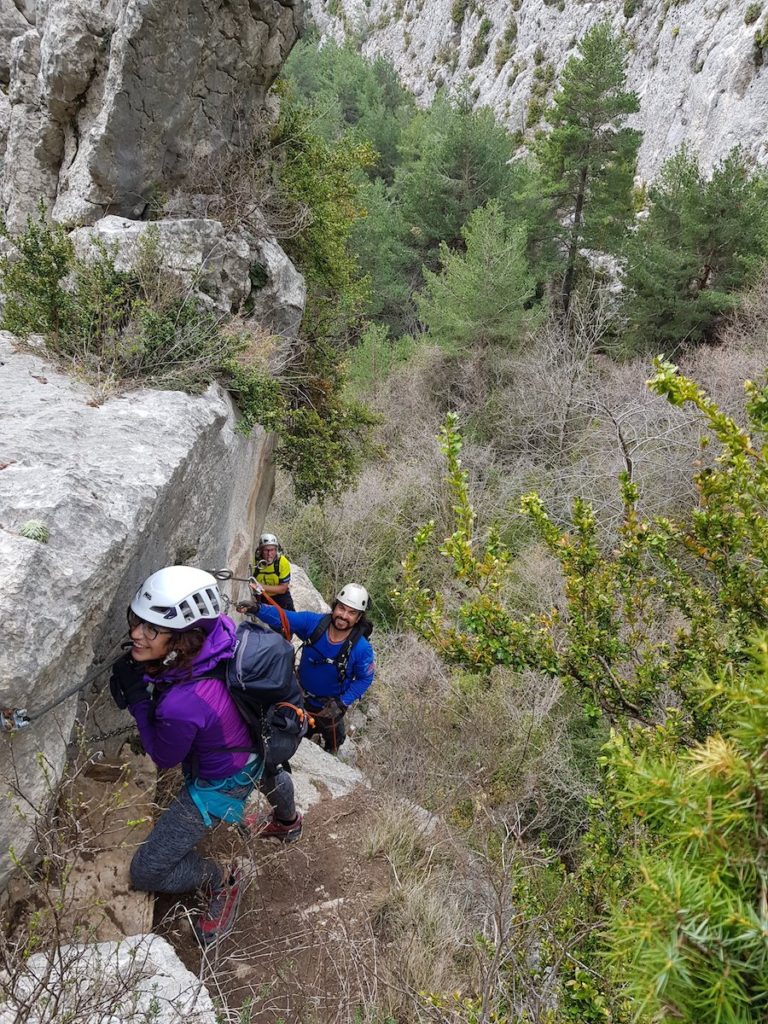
x=35, y=529
x=752, y=13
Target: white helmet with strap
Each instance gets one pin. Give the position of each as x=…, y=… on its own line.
x=353, y=595
x=269, y=539
x=177, y=597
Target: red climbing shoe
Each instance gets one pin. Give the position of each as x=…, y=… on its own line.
x=218, y=919
x=271, y=828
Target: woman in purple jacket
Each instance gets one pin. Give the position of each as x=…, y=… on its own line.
x=172, y=681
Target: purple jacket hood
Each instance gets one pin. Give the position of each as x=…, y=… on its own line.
x=219, y=645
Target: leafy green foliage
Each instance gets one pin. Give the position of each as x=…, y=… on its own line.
x=35, y=529
x=321, y=176
x=142, y=327
x=113, y=326
x=480, y=296
x=375, y=356
x=506, y=44
x=588, y=158
x=752, y=13
x=677, y=844
x=383, y=257
x=693, y=926
x=35, y=301
x=480, y=43
x=458, y=11
x=703, y=240
x=323, y=435
x=673, y=600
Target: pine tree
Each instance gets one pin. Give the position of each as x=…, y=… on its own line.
x=588, y=158
x=348, y=92
x=702, y=241
x=454, y=160
x=689, y=940
x=479, y=296
x=383, y=257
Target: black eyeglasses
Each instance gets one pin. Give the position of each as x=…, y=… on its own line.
x=150, y=632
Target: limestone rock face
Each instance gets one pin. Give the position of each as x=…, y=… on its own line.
x=701, y=78
x=217, y=263
x=305, y=595
x=113, y=101
x=123, y=487
x=279, y=302
x=138, y=979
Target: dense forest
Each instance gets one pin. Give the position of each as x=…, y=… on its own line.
x=560, y=512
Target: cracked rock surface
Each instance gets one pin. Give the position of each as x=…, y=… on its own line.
x=111, y=102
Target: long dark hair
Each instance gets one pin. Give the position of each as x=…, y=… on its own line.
x=187, y=646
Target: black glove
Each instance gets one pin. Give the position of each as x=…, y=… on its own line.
x=332, y=710
x=127, y=682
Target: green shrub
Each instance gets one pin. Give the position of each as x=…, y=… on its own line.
x=35, y=529
x=120, y=329
x=752, y=13
x=115, y=327
x=480, y=43
x=506, y=45
x=458, y=11
x=535, y=112
x=630, y=8
x=35, y=301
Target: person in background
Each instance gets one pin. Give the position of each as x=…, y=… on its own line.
x=172, y=682
x=337, y=660
x=272, y=571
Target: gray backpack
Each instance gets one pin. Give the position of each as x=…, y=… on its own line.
x=263, y=684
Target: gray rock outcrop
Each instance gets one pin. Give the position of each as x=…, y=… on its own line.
x=701, y=76
x=214, y=262
x=112, y=102
x=123, y=486
x=129, y=982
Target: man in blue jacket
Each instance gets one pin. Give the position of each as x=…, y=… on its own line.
x=337, y=660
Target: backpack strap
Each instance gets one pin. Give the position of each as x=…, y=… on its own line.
x=322, y=624
x=342, y=658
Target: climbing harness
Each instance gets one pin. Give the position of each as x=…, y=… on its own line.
x=214, y=799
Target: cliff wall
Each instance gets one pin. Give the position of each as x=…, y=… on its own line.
x=695, y=64
x=106, y=109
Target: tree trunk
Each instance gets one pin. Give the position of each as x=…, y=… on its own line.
x=573, y=248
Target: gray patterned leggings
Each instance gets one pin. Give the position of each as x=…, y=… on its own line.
x=167, y=860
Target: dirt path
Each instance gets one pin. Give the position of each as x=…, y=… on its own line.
x=304, y=948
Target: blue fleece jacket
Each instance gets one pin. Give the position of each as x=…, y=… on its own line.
x=317, y=677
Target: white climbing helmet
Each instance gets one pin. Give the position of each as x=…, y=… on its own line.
x=353, y=595
x=268, y=538
x=177, y=597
